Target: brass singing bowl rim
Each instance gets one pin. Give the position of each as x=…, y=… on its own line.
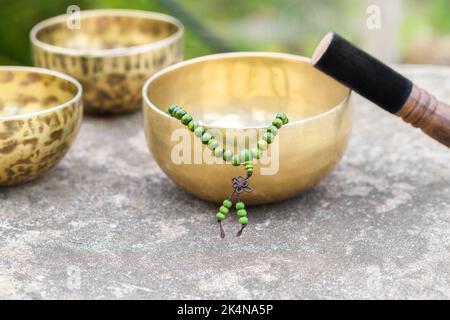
x=57, y=74
x=123, y=51
x=148, y=103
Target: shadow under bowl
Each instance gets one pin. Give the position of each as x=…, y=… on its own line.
x=111, y=52
x=40, y=115
x=238, y=93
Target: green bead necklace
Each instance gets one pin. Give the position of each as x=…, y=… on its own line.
x=245, y=157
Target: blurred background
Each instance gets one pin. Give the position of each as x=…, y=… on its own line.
x=410, y=31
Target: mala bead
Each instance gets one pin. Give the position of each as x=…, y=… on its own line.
x=262, y=144
x=220, y=216
x=223, y=209
x=227, y=203
x=206, y=137
x=174, y=111
x=246, y=155
x=235, y=160
x=268, y=137
x=240, y=205
x=213, y=144
x=218, y=152
x=242, y=213
x=243, y=220
x=248, y=165
x=227, y=155
x=179, y=113
x=186, y=118
x=172, y=108
x=192, y=125
x=256, y=153
x=283, y=117
x=277, y=123
x=199, y=131
x=273, y=130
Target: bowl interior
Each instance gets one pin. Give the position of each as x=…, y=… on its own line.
x=107, y=30
x=234, y=91
x=25, y=91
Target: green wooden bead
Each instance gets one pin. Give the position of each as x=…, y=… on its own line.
x=248, y=165
x=218, y=152
x=193, y=125
x=206, y=137
x=179, y=113
x=174, y=111
x=223, y=209
x=240, y=205
x=243, y=220
x=277, y=123
x=242, y=213
x=220, y=216
x=268, y=137
x=256, y=153
x=246, y=155
x=199, y=131
x=213, y=144
x=227, y=203
x=273, y=130
x=283, y=117
x=227, y=155
x=262, y=144
x=186, y=118
x=172, y=108
x=235, y=160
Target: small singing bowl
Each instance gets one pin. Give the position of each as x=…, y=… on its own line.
x=111, y=52
x=40, y=115
x=245, y=91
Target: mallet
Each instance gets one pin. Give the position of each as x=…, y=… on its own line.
x=377, y=82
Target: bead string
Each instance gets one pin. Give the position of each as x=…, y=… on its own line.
x=245, y=157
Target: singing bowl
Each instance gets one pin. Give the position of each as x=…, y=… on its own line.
x=245, y=91
x=112, y=53
x=40, y=115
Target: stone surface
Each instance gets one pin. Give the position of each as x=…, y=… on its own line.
x=107, y=223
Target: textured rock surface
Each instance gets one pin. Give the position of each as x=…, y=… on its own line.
x=107, y=223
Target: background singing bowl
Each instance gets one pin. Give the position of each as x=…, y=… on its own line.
x=112, y=53
x=244, y=91
x=40, y=115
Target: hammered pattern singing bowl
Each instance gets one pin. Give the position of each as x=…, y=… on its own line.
x=245, y=91
x=40, y=115
x=112, y=53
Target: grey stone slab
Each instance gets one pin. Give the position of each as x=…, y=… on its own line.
x=107, y=223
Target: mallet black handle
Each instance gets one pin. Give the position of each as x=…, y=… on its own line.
x=377, y=82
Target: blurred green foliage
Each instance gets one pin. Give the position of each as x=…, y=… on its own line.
x=222, y=25
x=17, y=17
x=425, y=18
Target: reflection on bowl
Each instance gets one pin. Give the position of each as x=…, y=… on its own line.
x=245, y=91
x=40, y=115
x=111, y=53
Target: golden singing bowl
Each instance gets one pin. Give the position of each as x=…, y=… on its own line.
x=112, y=53
x=40, y=115
x=245, y=91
